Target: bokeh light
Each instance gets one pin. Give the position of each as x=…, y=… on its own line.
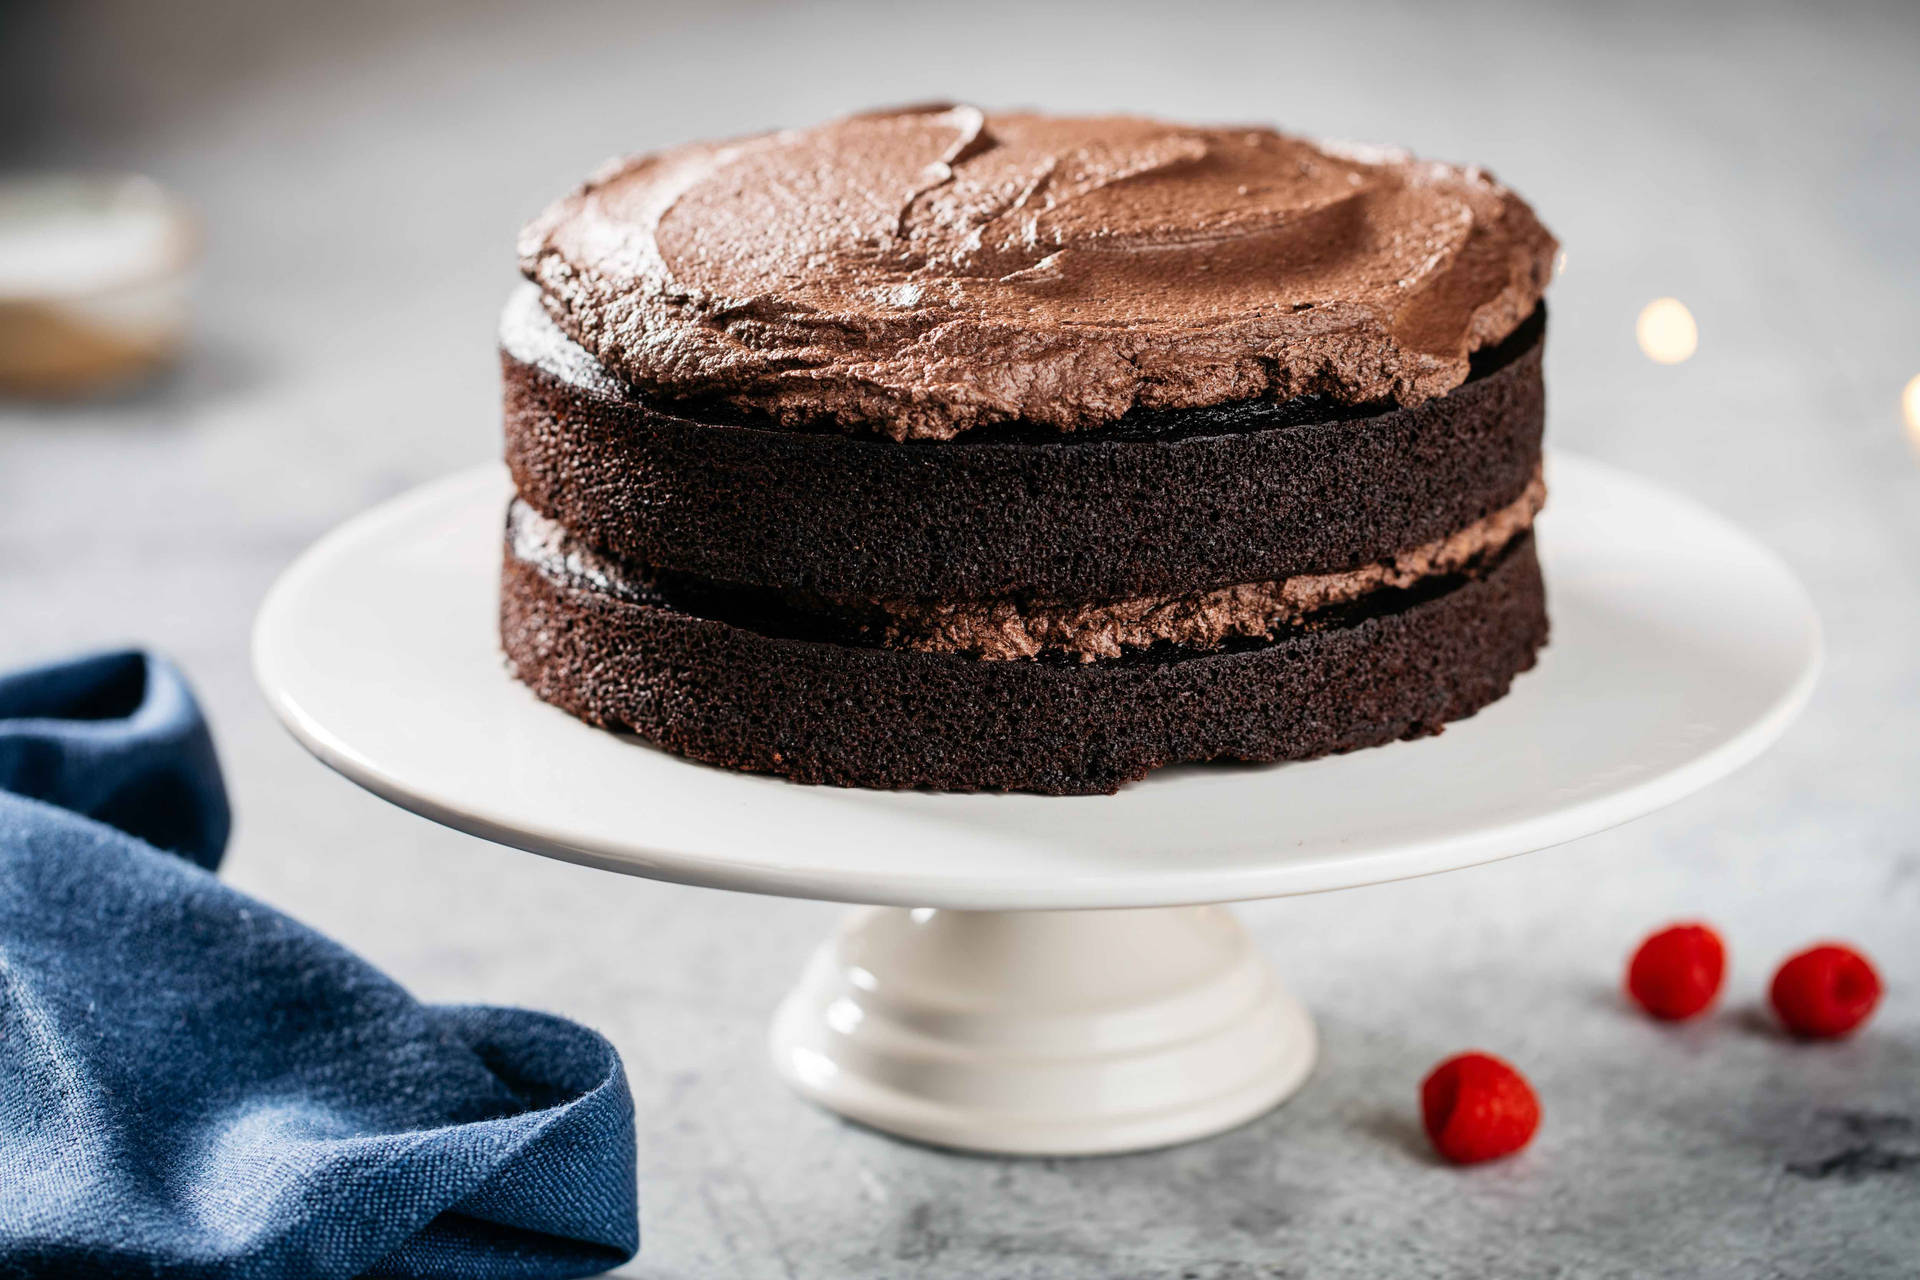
x=1666, y=332
x=1910, y=405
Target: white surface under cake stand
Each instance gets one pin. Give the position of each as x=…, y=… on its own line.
x=995, y=997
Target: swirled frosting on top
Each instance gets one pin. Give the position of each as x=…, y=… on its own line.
x=922, y=271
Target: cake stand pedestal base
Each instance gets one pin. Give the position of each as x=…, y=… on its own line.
x=1043, y=1032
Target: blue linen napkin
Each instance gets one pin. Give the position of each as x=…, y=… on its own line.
x=194, y=1085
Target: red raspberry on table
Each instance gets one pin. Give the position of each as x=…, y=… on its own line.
x=1825, y=992
x=1677, y=972
x=1476, y=1107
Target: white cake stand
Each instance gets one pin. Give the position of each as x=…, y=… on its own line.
x=995, y=998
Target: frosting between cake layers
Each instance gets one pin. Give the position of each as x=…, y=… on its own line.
x=1256, y=610
x=923, y=271
x=1013, y=630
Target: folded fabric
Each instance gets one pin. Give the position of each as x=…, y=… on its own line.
x=192, y=1084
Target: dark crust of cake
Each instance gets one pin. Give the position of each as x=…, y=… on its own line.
x=1167, y=503
x=861, y=716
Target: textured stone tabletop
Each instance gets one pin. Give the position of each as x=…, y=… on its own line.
x=361, y=170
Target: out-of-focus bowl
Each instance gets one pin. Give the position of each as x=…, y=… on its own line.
x=94, y=279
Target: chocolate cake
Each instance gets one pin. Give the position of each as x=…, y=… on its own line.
x=932, y=448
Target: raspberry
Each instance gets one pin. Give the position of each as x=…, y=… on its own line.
x=1676, y=973
x=1477, y=1107
x=1825, y=992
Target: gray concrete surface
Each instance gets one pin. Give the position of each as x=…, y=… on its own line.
x=362, y=170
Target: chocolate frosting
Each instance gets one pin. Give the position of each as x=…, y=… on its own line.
x=922, y=271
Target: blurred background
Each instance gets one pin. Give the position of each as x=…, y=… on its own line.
x=358, y=171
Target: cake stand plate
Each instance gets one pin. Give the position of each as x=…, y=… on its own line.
x=998, y=999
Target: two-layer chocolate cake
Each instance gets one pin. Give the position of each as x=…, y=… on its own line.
x=934, y=448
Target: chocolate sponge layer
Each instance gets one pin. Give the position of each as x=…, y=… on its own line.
x=850, y=715
x=1156, y=503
